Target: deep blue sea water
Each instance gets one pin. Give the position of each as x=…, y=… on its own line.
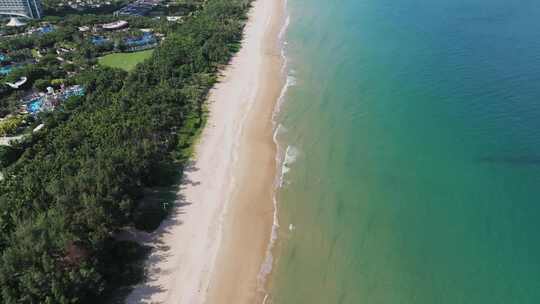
x=413, y=139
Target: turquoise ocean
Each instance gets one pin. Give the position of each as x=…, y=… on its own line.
x=410, y=135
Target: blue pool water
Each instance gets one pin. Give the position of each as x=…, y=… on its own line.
x=99, y=40
x=73, y=91
x=34, y=106
x=46, y=29
x=5, y=70
x=147, y=38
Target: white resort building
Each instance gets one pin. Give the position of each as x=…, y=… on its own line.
x=21, y=8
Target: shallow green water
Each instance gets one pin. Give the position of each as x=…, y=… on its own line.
x=414, y=153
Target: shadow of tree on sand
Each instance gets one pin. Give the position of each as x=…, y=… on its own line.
x=160, y=251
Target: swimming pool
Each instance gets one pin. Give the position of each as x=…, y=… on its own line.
x=5, y=70
x=34, y=106
x=76, y=90
x=46, y=29
x=99, y=40
x=147, y=38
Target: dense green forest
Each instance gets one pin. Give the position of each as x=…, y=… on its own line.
x=68, y=189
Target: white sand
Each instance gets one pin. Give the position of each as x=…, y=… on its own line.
x=181, y=266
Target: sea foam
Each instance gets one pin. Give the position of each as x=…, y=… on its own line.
x=291, y=155
x=266, y=267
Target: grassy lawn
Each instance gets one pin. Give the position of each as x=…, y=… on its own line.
x=125, y=61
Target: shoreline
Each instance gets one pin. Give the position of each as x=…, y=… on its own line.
x=250, y=222
x=211, y=247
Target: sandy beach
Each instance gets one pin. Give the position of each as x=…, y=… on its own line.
x=211, y=248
